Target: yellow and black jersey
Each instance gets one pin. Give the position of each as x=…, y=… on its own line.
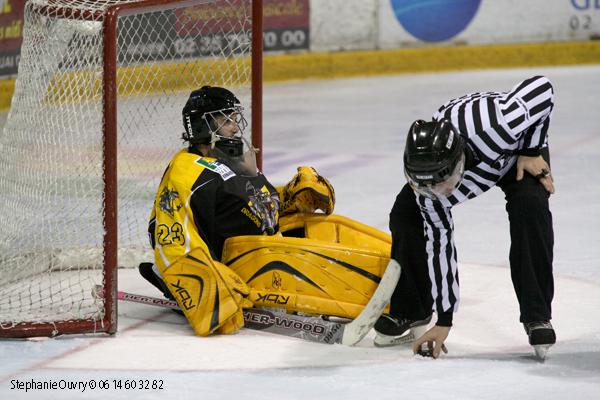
x=201, y=202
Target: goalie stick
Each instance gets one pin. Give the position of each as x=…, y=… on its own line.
x=311, y=328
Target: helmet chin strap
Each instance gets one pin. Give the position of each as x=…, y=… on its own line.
x=233, y=147
x=214, y=138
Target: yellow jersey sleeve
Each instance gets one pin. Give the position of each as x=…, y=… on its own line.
x=175, y=231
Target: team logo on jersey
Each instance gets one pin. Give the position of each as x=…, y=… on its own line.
x=169, y=201
x=264, y=206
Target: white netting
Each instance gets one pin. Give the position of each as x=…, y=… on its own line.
x=51, y=183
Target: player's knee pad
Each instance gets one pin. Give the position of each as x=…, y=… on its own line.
x=334, y=269
x=210, y=295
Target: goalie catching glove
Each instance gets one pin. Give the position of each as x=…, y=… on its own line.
x=307, y=192
x=209, y=293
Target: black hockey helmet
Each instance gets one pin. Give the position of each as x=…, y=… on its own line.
x=214, y=116
x=433, y=150
x=201, y=105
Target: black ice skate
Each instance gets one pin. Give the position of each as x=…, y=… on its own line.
x=541, y=337
x=392, y=331
x=147, y=271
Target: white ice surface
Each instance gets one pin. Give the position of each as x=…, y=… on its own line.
x=352, y=131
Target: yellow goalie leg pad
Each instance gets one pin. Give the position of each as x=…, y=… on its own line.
x=318, y=276
x=336, y=229
x=209, y=293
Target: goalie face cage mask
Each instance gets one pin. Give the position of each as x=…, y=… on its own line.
x=228, y=141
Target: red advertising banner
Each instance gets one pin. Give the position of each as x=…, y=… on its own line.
x=212, y=17
x=286, y=14
x=277, y=14
x=286, y=22
x=286, y=27
x=11, y=35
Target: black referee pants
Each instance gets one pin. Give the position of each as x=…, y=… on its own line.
x=531, y=250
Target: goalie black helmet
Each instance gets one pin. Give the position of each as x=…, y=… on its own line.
x=433, y=151
x=202, y=103
x=214, y=117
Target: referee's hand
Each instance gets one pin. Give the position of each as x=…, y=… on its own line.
x=434, y=338
x=537, y=167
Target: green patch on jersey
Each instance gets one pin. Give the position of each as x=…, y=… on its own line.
x=206, y=164
x=217, y=167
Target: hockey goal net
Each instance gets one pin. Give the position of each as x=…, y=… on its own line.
x=94, y=120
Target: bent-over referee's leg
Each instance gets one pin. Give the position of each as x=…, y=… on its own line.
x=412, y=297
x=532, y=242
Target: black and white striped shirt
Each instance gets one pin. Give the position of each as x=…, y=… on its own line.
x=497, y=125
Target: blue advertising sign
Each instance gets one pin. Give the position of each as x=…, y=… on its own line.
x=435, y=20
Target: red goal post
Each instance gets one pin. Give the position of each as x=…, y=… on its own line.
x=95, y=117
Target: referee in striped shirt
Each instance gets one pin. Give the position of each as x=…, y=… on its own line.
x=473, y=143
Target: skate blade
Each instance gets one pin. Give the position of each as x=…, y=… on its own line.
x=541, y=350
x=387, y=341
